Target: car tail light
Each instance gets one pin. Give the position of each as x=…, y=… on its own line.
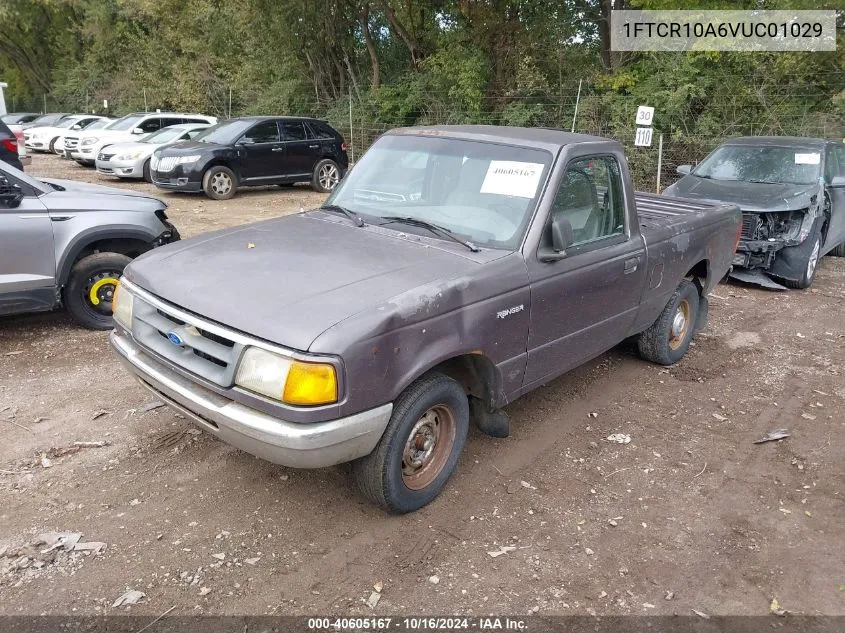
x=343, y=147
x=11, y=145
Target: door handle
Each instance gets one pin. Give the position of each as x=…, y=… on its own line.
x=313, y=147
x=278, y=149
x=631, y=265
x=61, y=218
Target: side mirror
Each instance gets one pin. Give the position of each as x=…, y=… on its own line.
x=683, y=170
x=138, y=130
x=562, y=238
x=11, y=195
x=837, y=182
x=76, y=126
x=246, y=141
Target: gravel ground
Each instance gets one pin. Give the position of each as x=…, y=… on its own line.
x=689, y=515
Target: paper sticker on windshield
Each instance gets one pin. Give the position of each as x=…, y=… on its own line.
x=512, y=178
x=807, y=159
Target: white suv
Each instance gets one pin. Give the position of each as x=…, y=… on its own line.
x=85, y=146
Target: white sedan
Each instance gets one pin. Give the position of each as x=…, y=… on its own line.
x=132, y=160
x=44, y=138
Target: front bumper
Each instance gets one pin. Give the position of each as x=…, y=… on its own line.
x=86, y=154
x=180, y=178
x=291, y=444
x=124, y=168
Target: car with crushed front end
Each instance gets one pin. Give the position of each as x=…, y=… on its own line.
x=791, y=191
x=65, y=243
x=453, y=270
x=253, y=151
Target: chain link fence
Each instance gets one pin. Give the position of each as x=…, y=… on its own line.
x=587, y=107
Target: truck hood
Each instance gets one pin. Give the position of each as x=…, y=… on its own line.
x=289, y=279
x=748, y=196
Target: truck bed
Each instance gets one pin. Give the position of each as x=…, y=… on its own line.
x=662, y=217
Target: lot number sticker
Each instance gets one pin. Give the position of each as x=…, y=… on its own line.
x=807, y=159
x=512, y=178
x=643, y=137
x=645, y=115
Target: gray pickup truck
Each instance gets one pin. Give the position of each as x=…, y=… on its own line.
x=453, y=270
x=65, y=243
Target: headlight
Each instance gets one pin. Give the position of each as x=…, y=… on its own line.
x=90, y=140
x=181, y=160
x=290, y=381
x=122, y=306
x=130, y=155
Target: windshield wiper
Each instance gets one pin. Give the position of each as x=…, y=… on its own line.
x=357, y=219
x=434, y=228
x=762, y=182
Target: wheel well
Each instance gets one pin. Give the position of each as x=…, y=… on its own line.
x=124, y=245
x=475, y=373
x=700, y=274
x=221, y=162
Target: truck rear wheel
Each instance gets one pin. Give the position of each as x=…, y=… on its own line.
x=668, y=338
x=90, y=289
x=420, y=447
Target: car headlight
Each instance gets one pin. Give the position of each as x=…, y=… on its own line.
x=291, y=381
x=182, y=160
x=90, y=141
x=130, y=155
x=122, y=303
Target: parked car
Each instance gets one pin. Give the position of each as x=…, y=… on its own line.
x=11, y=145
x=42, y=138
x=65, y=243
x=253, y=151
x=85, y=146
x=132, y=160
x=100, y=124
x=19, y=118
x=792, y=195
x=453, y=270
x=45, y=119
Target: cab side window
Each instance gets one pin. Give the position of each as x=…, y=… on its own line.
x=151, y=125
x=590, y=199
x=293, y=131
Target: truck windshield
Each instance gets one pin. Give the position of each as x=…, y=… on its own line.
x=767, y=164
x=482, y=192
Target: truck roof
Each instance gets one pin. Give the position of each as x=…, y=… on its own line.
x=779, y=141
x=548, y=139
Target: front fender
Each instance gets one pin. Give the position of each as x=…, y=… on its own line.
x=85, y=238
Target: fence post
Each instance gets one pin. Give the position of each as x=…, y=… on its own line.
x=45, y=103
x=659, y=160
x=351, y=144
x=577, y=101
x=230, y=102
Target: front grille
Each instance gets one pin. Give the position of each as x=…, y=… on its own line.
x=163, y=164
x=204, y=353
x=71, y=142
x=105, y=156
x=750, y=224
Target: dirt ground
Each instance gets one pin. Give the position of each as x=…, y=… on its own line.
x=689, y=515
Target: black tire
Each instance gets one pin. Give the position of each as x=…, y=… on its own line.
x=326, y=176
x=663, y=342
x=53, y=145
x=838, y=251
x=810, y=263
x=146, y=171
x=381, y=476
x=214, y=182
x=93, y=275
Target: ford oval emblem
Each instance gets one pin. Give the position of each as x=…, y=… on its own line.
x=175, y=338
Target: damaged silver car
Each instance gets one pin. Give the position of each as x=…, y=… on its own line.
x=792, y=195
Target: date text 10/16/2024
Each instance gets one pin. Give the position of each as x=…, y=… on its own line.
x=417, y=624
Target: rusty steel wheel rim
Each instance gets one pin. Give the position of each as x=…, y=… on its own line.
x=428, y=447
x=680, y=325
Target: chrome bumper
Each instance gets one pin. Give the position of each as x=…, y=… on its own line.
x=290, y=444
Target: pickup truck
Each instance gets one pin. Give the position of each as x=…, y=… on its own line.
x=453, y=270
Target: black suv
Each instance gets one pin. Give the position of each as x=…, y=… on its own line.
x=251, y=151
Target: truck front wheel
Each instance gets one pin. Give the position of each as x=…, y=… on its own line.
x=420, y=447
x=668, y=338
